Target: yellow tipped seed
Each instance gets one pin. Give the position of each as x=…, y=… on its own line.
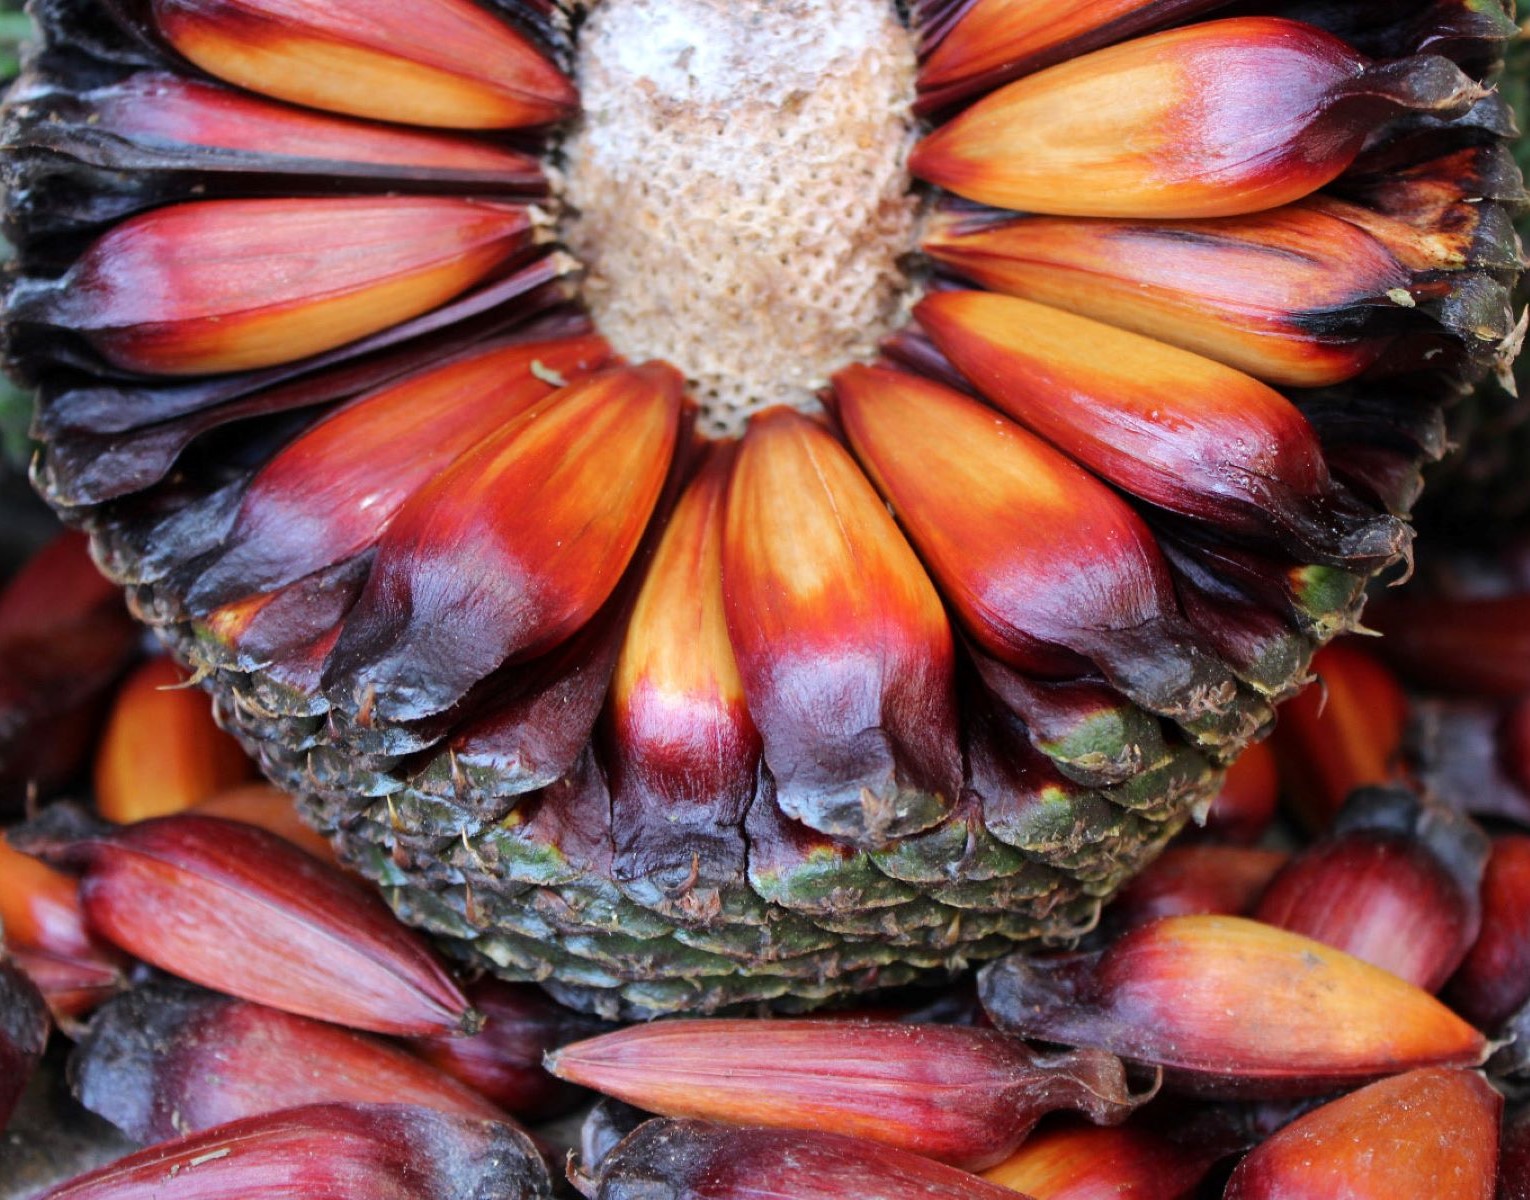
x=1231, y=1007
x=447, y=63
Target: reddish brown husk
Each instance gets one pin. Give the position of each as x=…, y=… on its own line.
x=512, y=549
x=241, y=910
x=330, y=493
x=503, y=1061
x=1494, y=981
x=1280, y=109
x=1429, y=1133
x=990, y=42
x=167, y=1060
x=1474, y=646
x=684, y=752
x=1034, y=590
x=231, y=285
x=695, y=1160
x=1185, y=880
x=154, y=112
x=1085, y=1162
x=447, y=63
x=65, y=635
x=1245, y=806
x=45, y=931
x=1180, y=431
x=1395, y=883
x=958, y=1095
x=329, y=1152
x=1343, y=732
x=1297, y=296
x=24, y=1029
x=100, y=449
x=273, y=810
x=1230, y=1008
x=161, y=751
x=846, y=655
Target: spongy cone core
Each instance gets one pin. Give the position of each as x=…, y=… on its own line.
x=738, y=189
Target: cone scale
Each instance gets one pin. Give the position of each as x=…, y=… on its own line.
x=874, y=685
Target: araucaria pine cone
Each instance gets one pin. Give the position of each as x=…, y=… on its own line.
x=716, y=501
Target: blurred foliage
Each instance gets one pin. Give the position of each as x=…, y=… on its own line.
x=15, y=28
x=1515, y=86
x=15, y=417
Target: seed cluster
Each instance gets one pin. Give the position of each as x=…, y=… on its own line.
x=1248, y=1021
x=907, y=675
x=876, y=683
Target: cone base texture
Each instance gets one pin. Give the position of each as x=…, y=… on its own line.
x=530, y=905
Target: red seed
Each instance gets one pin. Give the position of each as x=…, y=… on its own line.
x=330, y=493
x=73, y=988
x=1086, y=1162
x=232, y=285
x=1034, y=589
x=157, y=109
x=846, y=653
x=1343, y=732
x=447, y=63
x=1178, y=430
x=958, y=1095
x=694, y=1160
x=1281, y=109
x=1430, y=1133
x=45, y=931
x=990, y=42
x=168, y=1060
x=243, y=911
x=65, y=635
x=40, y=909
x=1494, y=981
x=1230, y=1008
x=478, y=567
x=684, y=754
x=1395, y=884
x=328, y=1152
x=1241, y=290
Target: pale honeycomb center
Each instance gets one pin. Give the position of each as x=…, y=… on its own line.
x=738, y=189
